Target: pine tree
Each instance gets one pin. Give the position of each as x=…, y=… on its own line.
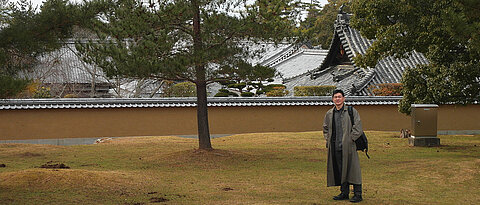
x=27, y=33
x=186, y=40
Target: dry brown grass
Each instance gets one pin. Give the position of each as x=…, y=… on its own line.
x=267, y=168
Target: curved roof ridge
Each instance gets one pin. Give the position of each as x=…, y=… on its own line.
x=286, y=80
x=315, y=51
x=365, y=80
x=341, y=28
x=287, y=57
x=300, y=52
x=387, y=70
x=280, y=56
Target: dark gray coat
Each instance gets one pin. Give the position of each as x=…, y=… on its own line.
x=351, y=172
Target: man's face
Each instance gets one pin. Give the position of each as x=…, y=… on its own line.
x=338, y=99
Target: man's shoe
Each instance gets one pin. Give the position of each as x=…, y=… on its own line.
x=341, y=197
x=356, y=198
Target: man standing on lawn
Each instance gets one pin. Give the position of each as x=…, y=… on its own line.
x=343, y=166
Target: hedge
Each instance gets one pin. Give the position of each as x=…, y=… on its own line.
x=221, y=94
x=387, y=89
x=225, y=93
x=247, y=94
x=324, y=90
x=277, y=92
x=271, y=87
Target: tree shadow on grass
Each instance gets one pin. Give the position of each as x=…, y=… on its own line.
x=459, y=148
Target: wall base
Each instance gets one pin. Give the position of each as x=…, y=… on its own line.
x=424, y=141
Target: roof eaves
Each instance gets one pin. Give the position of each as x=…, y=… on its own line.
x=102, y=103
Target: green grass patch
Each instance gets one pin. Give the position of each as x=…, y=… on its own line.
x=266, y=168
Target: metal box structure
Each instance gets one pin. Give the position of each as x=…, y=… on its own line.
x=424, y=125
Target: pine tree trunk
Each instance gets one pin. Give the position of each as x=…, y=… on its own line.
x=202, y=114
x=202, y=117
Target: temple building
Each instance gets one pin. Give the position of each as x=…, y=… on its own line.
x=339, y=69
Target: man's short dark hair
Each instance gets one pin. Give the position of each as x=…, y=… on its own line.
x=338, y=91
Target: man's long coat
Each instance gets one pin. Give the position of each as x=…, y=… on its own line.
x=351, y=172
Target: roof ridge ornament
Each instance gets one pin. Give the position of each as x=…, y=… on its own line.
x=340, y=10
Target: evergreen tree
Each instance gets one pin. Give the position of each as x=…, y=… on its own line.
x=446, y=31
x=245, y=76
x=186, y=40
x=318, y=26
x=27, y=33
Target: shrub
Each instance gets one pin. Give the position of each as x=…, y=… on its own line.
x=259, y=92
x=225, y=82
x=387, y=89
x=71, y=95
x=42, y=92
x=324, y=90
x=9, y=86
x=271, y=87
x=221, y=94
x=277, y=92
x=238, y=86
x=184, y=89
x=225, y=93
x=247, y=94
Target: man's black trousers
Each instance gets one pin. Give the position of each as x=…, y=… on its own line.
x=337, y=169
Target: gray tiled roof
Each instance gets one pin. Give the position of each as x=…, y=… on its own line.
x=98, y=103
x=293, y=60
x=267, y=51
x=388, y=70
x=64, y=66
x=303, y=61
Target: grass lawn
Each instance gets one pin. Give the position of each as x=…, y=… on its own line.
x=266, y=168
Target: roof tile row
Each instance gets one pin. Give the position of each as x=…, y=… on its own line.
x=100, y=103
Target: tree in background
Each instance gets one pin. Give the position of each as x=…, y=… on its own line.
x=183, y=89
x=318, y=26
x=244, y=77
x=445, y=31
x=184, y=40
x=27, y=33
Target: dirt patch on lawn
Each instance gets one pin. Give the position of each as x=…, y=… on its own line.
x=27, y=150
x=113, y=182
x=158, y=200
x=54, y=165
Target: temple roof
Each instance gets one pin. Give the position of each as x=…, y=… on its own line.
x=64, y=66
x=339, y=68
x=291, y=60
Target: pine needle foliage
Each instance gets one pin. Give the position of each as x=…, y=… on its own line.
x=184, y=40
